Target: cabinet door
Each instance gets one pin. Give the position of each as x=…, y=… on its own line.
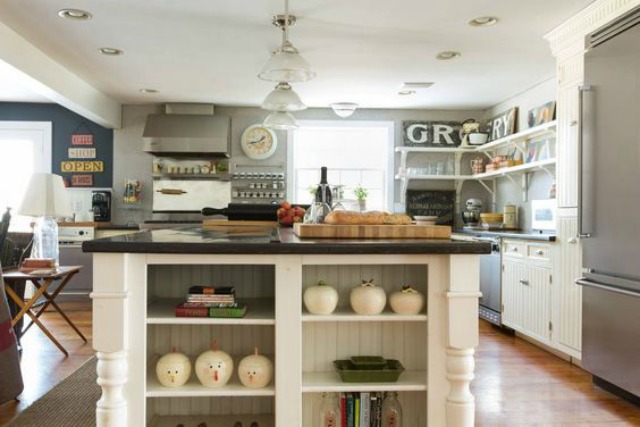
x=512, y=294
x=536, y=289
x=567, y=147
x=567, y=301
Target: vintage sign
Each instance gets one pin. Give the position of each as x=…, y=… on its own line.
x=440, y=203
x=82, y=139
x=92, y=166
x=503, y=124
x=440, y=134
x=82, y=180
x=82, y=153
x=542, y=114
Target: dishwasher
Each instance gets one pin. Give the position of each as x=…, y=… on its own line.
x=490, y=304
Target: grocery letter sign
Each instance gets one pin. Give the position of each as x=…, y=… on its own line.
x=441, y=134
x=93, y=166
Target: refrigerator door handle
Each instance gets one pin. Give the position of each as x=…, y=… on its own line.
x=583, y=281
x=585, y=163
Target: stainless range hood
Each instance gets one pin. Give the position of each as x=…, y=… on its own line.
x=188, y=129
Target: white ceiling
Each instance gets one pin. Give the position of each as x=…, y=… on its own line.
x=362, y=50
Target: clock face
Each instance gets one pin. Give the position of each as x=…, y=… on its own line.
x=259, y=142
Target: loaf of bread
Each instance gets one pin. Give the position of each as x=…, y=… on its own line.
x=366, y=218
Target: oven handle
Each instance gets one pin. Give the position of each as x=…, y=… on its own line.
x=583, y=281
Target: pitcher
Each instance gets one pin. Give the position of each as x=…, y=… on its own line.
x=477, y=165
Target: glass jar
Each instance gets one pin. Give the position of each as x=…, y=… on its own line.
x=328, y=414
x=391, y=410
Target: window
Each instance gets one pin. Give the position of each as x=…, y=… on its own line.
x=355, y=153
x=25, y=148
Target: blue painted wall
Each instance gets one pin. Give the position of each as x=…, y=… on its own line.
x=64, y=124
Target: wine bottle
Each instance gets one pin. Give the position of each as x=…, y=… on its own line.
x=323, y=192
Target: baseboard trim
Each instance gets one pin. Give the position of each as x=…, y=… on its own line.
x=614, y=389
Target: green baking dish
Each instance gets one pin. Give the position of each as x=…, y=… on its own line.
x=368, y=362
x=350, y=374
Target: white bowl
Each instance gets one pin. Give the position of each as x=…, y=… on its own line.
x=425, y=218
x=478, y=138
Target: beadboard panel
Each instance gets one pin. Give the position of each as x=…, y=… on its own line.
x=568, y=146
x=207, y=406
x=537, y=294
x=512, y=294
x=173, y=281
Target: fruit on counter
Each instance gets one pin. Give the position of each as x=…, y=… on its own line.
x=406, y=301
x=367, y=298
x=288, y=215
x=320, y=298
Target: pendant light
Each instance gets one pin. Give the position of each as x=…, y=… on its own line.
x=344, y=109
x=286, y=64
x=280, y=120
x=283, y=98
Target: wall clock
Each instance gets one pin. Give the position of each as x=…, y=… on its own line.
x=259, y=142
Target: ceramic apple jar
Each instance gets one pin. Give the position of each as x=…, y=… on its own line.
x=320, y=298
x=255, y=371
x=214, y=367
x=173, y=369
x=368, y=298
x=406, y=301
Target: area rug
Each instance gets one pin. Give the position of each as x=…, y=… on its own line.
x=72, y=403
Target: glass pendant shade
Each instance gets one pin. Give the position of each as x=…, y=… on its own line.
x=280, y=120
x=344, y=109
x=283, y=98
x=286, y=65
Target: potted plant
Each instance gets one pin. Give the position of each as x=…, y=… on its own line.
x=361, y=194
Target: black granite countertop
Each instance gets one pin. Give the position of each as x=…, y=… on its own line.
x=196, y=240
x=513, y=234
x=118, y=227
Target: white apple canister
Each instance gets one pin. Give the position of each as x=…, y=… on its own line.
x=367, y=298
x=320, y=298
x=406, y=301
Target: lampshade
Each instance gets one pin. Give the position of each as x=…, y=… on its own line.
x=46, y=196
x=280, y=120
x=344, y=109
x=286, y=65
x=283, y=98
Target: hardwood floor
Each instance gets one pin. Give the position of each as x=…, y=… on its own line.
x=517, y=384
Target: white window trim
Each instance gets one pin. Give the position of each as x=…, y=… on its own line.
x=389, y=125
x=45, y=130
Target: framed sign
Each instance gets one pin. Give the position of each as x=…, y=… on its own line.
x=440, y=203
x=542, y=114
x=424, y=133
x=503, y=124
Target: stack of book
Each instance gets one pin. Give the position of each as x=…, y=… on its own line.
x=362, y=409
x=210, y=301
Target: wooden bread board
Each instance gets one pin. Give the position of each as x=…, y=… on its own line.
x=325, y=231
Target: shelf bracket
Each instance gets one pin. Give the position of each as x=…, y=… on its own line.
x=546, y=169
x=403, y=188
x=486, y=187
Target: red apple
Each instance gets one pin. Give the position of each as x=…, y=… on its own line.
x=285, y=205
x=287, y=221
x=281, y=212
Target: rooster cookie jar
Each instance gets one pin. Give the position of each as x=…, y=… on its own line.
x=406, y=301
x=320, y=298
x=367, y=298
x=173, y=369
x=255, y=371
x=214, y=367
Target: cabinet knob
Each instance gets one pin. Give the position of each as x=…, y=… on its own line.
x=539, y=252
x=573, y=123
x=572, y=240
x=524, y=282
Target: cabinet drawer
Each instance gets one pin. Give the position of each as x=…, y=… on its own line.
x=539, y=252
x=514, y=249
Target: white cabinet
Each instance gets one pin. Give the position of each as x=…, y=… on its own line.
x=526, y=288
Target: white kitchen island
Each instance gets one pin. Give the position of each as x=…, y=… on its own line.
x=139, y=278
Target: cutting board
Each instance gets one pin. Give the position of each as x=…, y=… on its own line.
x=325, y=231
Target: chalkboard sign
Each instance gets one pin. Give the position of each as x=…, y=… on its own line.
x=432, y=202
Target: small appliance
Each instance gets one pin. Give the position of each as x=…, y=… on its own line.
x=471, y=214
x=101, y=206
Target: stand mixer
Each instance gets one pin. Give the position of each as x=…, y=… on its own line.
x=471, y=213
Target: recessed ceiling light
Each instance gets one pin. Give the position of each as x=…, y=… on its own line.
x=80, y=15
x=483, y=21
x=111, y=51
x=447, y=55
x=407, y=92
x=145, y=90
x=416, y=86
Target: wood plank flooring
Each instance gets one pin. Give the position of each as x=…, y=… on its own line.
x=517, y=384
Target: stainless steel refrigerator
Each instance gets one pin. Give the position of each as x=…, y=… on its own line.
x=609, y=206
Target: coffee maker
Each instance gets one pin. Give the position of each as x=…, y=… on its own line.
x=101, y=206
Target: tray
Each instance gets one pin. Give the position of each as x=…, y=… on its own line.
x=368, y=362
x=349, y=374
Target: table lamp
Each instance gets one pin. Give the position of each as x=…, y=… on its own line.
x=46, y=199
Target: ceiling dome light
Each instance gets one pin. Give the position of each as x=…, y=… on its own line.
x=77, y=14
x=283, y=98
x=483, y=21
x=145, y=90
x=447, y=55
x=344, y=109
x=407, y=92
x=280, y=120
x=111, y=51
